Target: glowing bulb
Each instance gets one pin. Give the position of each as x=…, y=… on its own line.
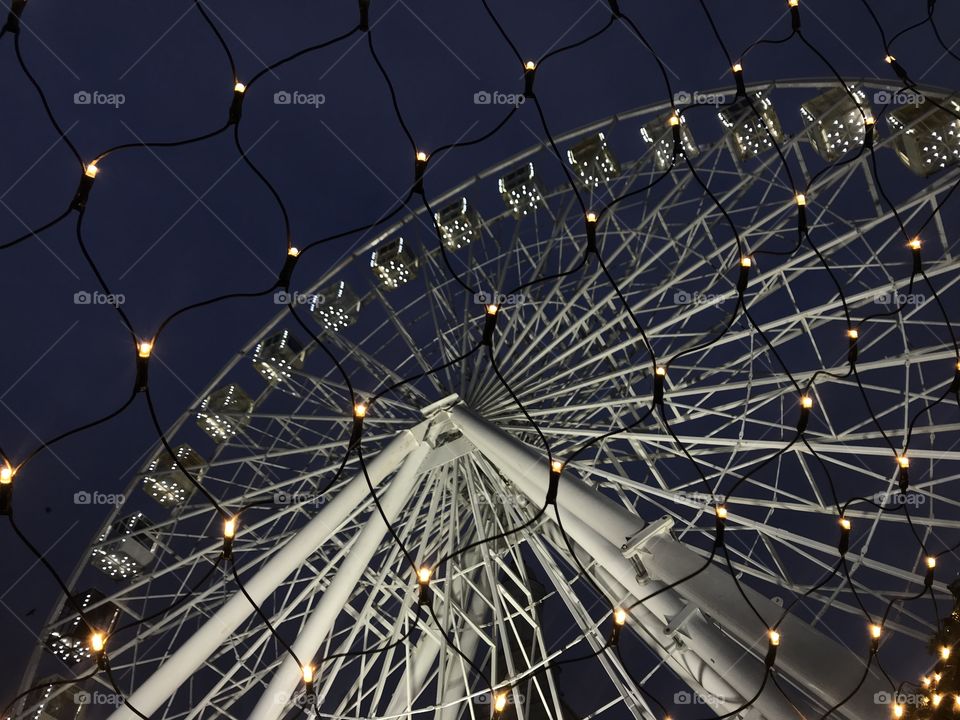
x=925, y=681
x=500, y=702
x=944, y=653
x=915, y=244
x=591, y=217
x=721, y=512
x=936, y=678
x=794, y=3
x=875, y=631
x=806, y=402
x=936, y=699
x=421, y=156
x=240, y=87
x=556, y=466
x=229, y=528
x=931, y=562
x=897, y=710
x=845, y=524
x=674, y=120
x=737, y=67
x=492, y=309
x=774, y=637
x=903, y=461
x=423, y=575
x=307, y=673
x=91, y=170
x=869, y=119
x=746, y=262
x=620, y=617
x=889, y=59
x=144, y=348
x=530, y=65
x=661, y=371
x=801, y=199
x=97, y=642
x=359, y=410
x=293, y=252
x=6, y=474
x=853, y=333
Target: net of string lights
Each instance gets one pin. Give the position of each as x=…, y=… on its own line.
x=416, y=361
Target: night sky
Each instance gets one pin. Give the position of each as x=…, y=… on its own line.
x=171, y=226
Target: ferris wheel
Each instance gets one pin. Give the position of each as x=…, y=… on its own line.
x=520, y=625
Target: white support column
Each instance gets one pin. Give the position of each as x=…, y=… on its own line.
x=601, y=527
x=274, y=701
x=200, y=645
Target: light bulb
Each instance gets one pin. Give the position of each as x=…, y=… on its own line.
x=931, y=562
x=421, y=156
x=875, y=631
x=869, y=119
x=423, y=575
x=889, y=59
x=620, y=617
x=500, y=702
x=897, y=710
x=674, y=120
x=144, y=348
x=230, y=528
x=240, y=87
x=801, y=199
x=936, y=699
x=556, y=466
x=793, y=3
x=293, y=252
x=721, y=512
x=915, y=244
x=845, y=524
x=944, y=653
x=492, y=309
x=737, y=67
x=530, y=65
x=806, y=402
x=91, y=170
x=97, y=642
x=6, y=474
x=591, y=217
x=746, y=262
x=853, y=333
x=307, y=674
x=774, y=637
x=903, y=461
x=359, y=410
x=661, y=371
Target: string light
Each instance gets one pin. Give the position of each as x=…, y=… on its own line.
x=306, y=673
x=844, y=543
x=229, y=532
x=98, y=647
x=91, y=171
x=591, y=226
x=424, y=574
x=773, y=643
x=897, y=710
x=7, y=471
x=489, y=325
x=529, y=75
x=499, y=703
x=144, y=349
x=944, y=652
x=806, y=402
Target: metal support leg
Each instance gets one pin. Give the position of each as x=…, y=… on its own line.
x=201, y=644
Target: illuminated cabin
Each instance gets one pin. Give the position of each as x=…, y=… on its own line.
x=394, y=264
x=659, y=133
x=459, y=224
x=53, y=699
x=835, y=121
x=593, y=161
x=69, y=639
x=224, y=412
x=927, y=138
x=749, y=135
x=126, y=548
x=521, y=190
x=275, y=357
x=166, y=483
x=335, y=307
